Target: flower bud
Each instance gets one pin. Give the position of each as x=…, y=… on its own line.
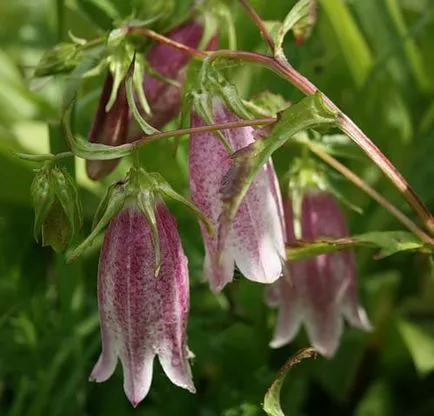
x=142, y=315
x=319, y=291
x=63, y=58
x=57, y=207
x=256, y=239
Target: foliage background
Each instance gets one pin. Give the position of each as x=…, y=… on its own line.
x=375, y=59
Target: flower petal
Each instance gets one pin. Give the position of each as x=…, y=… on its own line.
x=256, y=238
x=208, y=160
x=257, y=234
x=290, y=316
x=138, y=379
x=172, y=348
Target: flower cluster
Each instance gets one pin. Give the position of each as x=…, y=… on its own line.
x=143, y=282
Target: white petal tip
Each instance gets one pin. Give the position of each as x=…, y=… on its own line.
x=103, y=369
x=278, y=342
x=359, y=318
x=327, y=351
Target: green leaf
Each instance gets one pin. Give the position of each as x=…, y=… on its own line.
x=420, y=343
x=109, y=209
x=166, y=190
x=390, y=242
x=309, y=113
x=213, y=82
x=300, y=19
x=272, y=397
x=93, y=151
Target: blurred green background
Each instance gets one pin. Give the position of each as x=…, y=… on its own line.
x=375, y=59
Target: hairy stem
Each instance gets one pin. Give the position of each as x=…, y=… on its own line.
x=360, y=183
x=348, y=126
x=283, y=68
x=203, y=129
x=194, y=53
x=259, y=23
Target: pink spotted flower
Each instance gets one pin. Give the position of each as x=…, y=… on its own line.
x=256, y=239
x=143, y=315
x=117, y=126
x=318, y=291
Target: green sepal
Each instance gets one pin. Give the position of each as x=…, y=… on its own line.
x=67, y=195
x=146, y=204
x=164, y=188
x=120, y=54
x=111, y=207
x=131, y=82
x=215, y=83
x=43, y=196
x=203, y=104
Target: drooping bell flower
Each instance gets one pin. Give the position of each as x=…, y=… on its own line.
x=109, y=127
x=318, y=291
x=117, y=126
x=143, y=315
x=169, y=62
x=256, y=240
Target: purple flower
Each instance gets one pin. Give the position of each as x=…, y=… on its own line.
x=109, y=127
x=319, y=291
x=142, y=315
x=256, y=239
x=117, y=127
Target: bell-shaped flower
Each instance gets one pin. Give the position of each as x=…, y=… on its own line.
x=143, y=314
x=162, y=86
x=170, y=63
x=255, y=243
x=109, y=127
x=318, y=291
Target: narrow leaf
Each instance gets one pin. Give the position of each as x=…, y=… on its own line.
x=300, y=19
x=389, y=242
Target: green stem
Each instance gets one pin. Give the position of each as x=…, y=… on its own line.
x=360, y=183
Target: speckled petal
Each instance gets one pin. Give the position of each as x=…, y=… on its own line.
x=257, y=234
x=256, y=238
x=289, y=317
x=172, y=348
x=138, y=378
x=320, y=307
x=208, y=160
x=142, y=315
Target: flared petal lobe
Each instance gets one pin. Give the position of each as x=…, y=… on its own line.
x=142, y=315
x=322, y=290
x=256, y=238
